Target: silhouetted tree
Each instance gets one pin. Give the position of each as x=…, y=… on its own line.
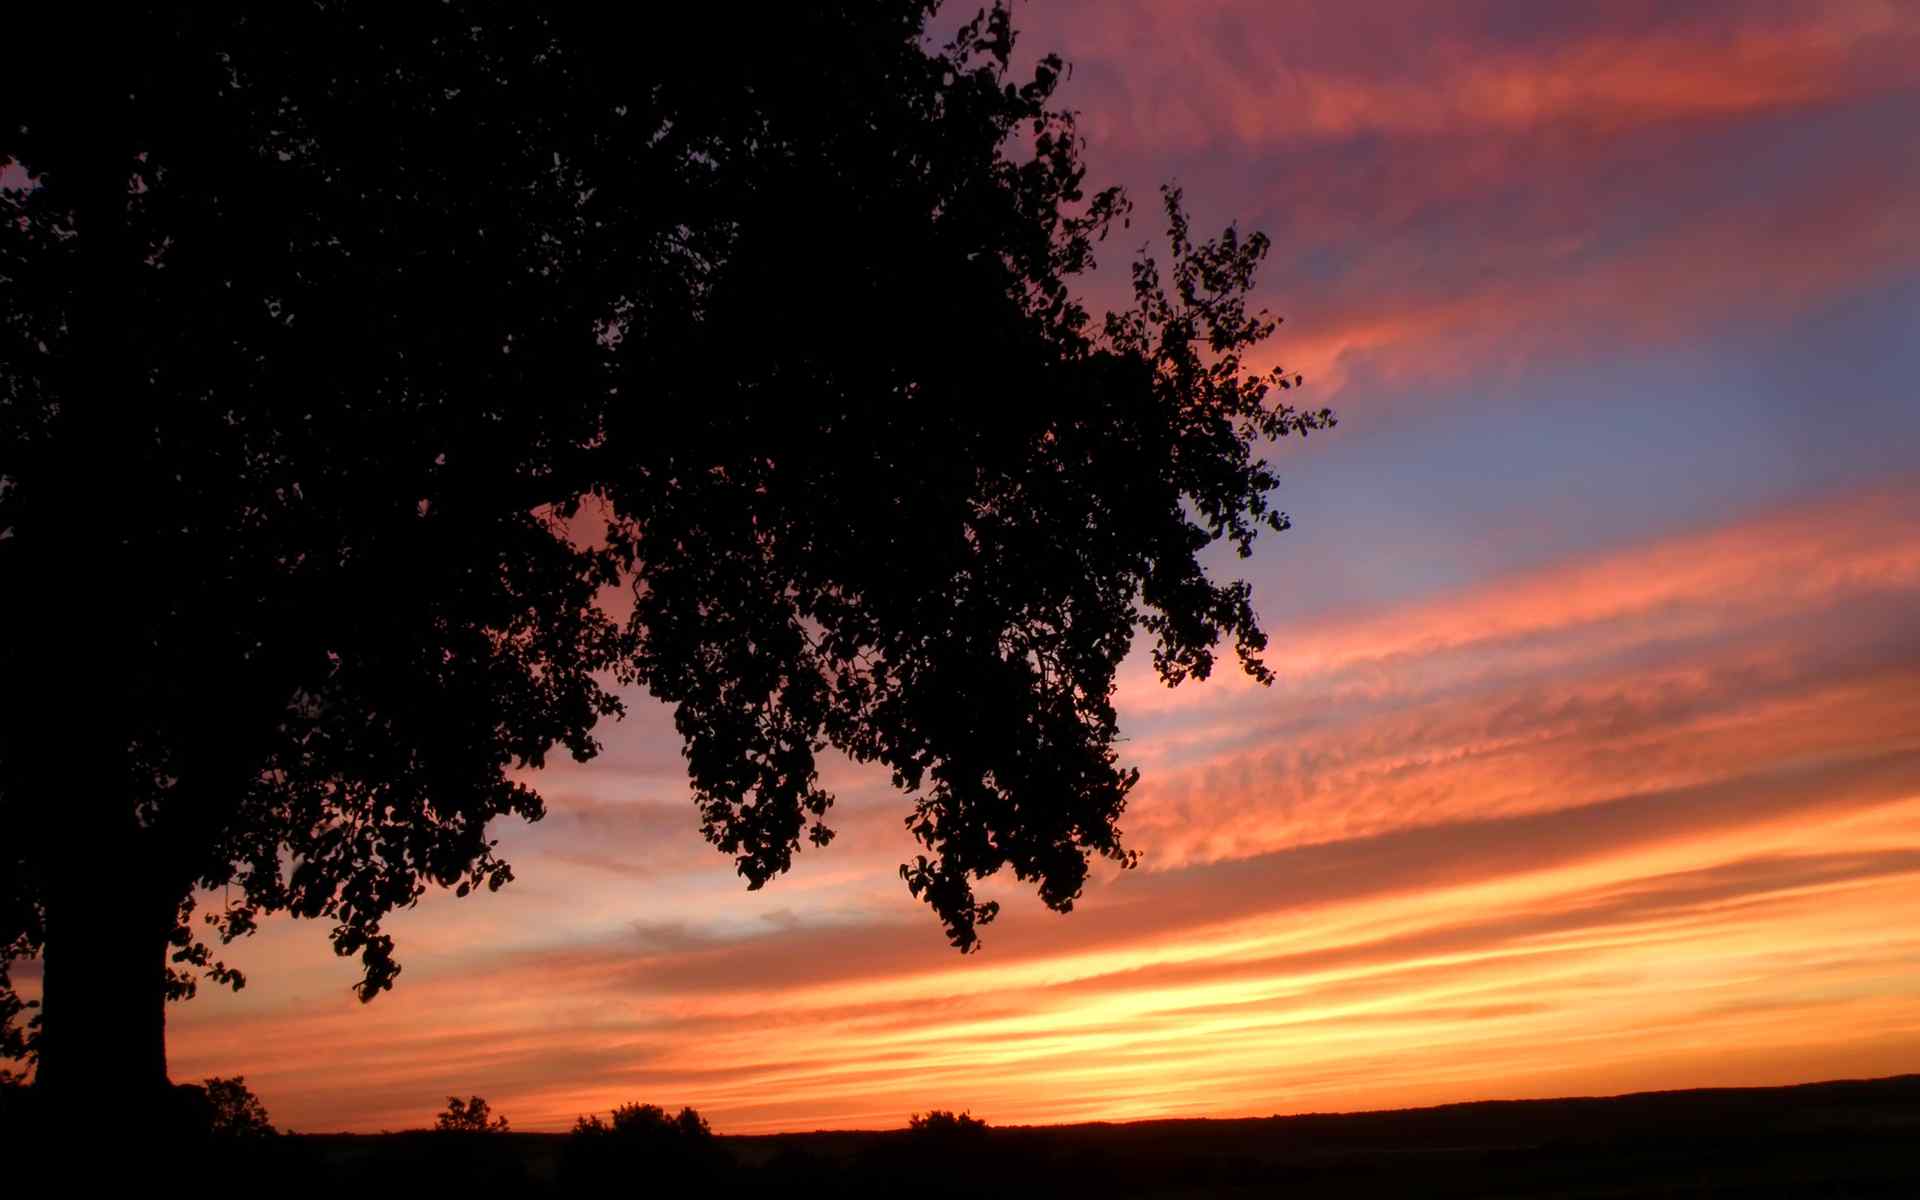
x=472, y=1115
x=645, y=1123
x=674, y=1153
x=350, y=352
x=941, y=1153
x=954, y=1151
x=238, y=1114
x=947, y=1127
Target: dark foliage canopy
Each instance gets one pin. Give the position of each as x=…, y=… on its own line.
x=359, y=361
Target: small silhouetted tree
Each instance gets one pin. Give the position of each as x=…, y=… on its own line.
x=649, y=1123
x=238, y=1114
x=672, y=1151
x=324, y=329
x=947, y=1127
x=472, y=1115
x=941, y=1153
x=957, y=1142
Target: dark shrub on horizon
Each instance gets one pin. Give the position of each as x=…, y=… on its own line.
x=940, y=1127
x=472, y=1115
x=941, y=1153
x=466, y=1151
x=642, y=1143
x=236, y=1113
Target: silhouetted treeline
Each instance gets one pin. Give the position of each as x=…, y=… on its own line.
x=1836, y=1139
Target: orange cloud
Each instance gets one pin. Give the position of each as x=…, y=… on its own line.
x=1269, y=75
x=1629, y=822
x=1447, y=196
x=1786, y=639
x=1532, y=983
x=1635, y=820
x=1548, y=292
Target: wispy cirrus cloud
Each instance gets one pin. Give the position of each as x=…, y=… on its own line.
x=1457, y=187
x=1258, y=74
x=1560, y=832
x=1634, y=809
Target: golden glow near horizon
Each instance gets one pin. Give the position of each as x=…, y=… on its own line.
x=1593, y=763
x=1591, y=829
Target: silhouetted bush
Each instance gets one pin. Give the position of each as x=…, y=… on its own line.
x=941, y=1153
x=643, y=1141
x=940, y=1127
x=468, y=1150
x=237, y=1114
x=186, y=1115
x=468, y=1116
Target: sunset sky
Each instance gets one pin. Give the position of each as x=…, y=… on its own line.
x=1593, y=764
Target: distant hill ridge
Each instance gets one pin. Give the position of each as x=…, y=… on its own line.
x=1894, y=1099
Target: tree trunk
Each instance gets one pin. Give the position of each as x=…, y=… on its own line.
x=103, y=1037
x=103, y=1040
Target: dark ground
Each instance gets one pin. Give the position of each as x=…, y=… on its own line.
x=1817, y=1140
